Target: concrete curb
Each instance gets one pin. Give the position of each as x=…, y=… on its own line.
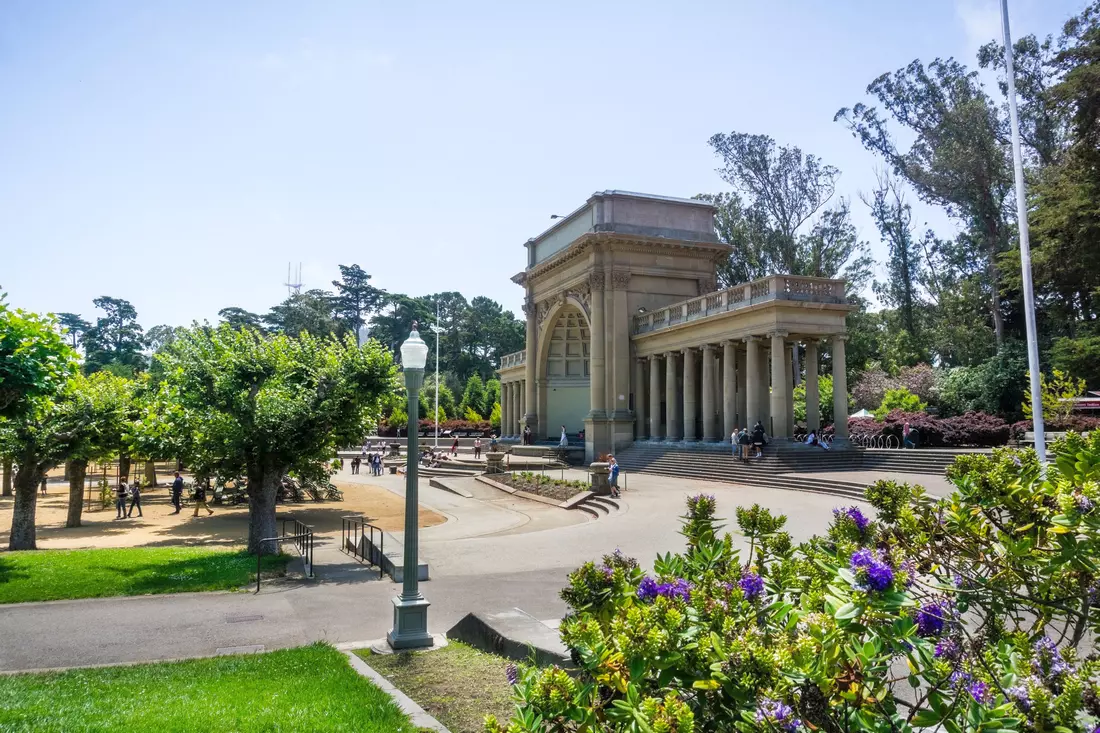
x=417, y=714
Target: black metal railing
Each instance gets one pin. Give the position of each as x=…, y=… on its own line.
x=353, y=531
x=301, y=537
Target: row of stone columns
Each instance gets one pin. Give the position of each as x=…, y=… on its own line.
x=746, y=390
x=512, y=407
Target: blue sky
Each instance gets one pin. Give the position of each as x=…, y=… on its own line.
x=179, y=155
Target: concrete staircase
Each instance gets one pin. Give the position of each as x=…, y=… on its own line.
x=715, y=462
x=598, y=506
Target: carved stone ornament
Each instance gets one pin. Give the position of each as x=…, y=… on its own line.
x=596, y=281
x=706, y=285
x=581, y=294
x=620, y=280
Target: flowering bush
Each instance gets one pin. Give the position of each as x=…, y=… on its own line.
x=957, y=614
x=972, y=429
x=1076, y=423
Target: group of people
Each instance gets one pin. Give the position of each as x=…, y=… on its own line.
x=749, y=443
x=131, y=493
x=373, y=461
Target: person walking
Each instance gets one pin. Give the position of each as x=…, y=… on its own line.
x=564, y=442
x=733, y=442
x=43, y=486
x=905, y=442
x=613, y=476
x=477, y=448
x=744, y=441
x=454, y=447
x=200, y=499
x=120, y=500
x=135, y=500
x=177, y=492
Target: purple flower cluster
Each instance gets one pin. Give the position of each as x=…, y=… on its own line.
x=649, y=589
x=979, y=691
x=1019, y=695
x=1049, y=659
x=752, y=585
x=949, y=649
x=853, y=513
x=702, y=504
x=512, y=673
x=777, y=714
x=1083, y=504
x=932, y=617
x=870, y=571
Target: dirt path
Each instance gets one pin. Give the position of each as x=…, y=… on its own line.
x=228, y=525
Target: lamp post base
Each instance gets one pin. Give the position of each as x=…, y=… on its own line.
x=410, y=624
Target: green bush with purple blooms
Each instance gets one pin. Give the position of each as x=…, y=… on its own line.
x=977, y=612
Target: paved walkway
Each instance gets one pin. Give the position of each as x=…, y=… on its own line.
x=492, y=554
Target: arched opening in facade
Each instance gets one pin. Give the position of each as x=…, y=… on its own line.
x=566, y=372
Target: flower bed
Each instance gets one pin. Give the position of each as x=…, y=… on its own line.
x=974, y=429
x=542, y=485
x=973, y=613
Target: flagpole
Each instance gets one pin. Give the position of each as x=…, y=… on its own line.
x=1025, y=247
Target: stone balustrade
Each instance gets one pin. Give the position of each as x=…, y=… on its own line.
x=516, y=359
x=772, y=288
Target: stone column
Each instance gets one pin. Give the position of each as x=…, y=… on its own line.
x=840, y=390
x=655, y=397
x=597, y=358
x=639, y=399
x=530, y=400
x=505, y=408
x=742, y=419
x=689, y=396
x=764, y=407
x=619, y=347
x=710, y=427
x=753, y=385
x=788, y=358
x=672, y=401
x=779, y=385
x=521, y=404
x=813, y=396
x=729, y=388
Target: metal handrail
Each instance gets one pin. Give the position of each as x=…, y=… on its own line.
x=353, y=545
x=303, y=542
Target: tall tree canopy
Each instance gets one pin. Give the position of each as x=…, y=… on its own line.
x=355, y=298
x=116, y=340
x=75, y=327
x=265, y=405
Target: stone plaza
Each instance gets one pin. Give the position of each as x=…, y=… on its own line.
x=629, y=339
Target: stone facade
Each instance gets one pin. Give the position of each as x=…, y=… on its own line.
x=628, y=338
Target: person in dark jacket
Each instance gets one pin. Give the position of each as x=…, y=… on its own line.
x=177, y=492
x=759, y=439
x=135, y=500
x=120, y=500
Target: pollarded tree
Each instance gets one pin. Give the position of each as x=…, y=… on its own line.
x=263, y=406
x=35, y=365
x=93, y=416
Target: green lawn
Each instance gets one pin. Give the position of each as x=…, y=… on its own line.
x=308, y=689
x=50, y=575
x=458, y=685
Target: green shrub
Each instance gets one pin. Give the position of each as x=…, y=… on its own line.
x=934, y=617
x=899, y=399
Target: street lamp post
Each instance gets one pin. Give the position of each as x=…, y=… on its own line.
x=410, y=609
x=437, y=329
x=1025, y=247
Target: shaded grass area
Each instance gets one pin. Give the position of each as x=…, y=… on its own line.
x=458, y=685
x=308, y=689
x=50, y=575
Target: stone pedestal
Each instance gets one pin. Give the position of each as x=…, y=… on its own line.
x=601, y=486
x=395, y=450
x=494, y=463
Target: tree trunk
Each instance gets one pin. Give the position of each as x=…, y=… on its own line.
x=78, y=470
x=7, y=476
x=27, y=479
x=262, y=489
x=68, y=467
x=150, y=473
x=124, y=467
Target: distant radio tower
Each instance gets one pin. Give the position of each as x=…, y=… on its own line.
x=293, y=279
